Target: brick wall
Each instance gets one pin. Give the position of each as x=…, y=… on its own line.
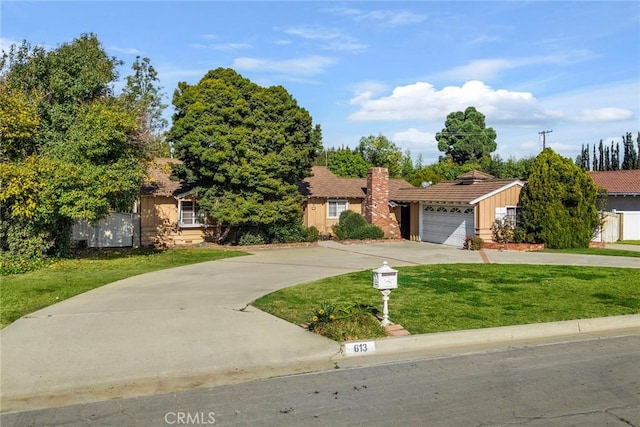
x=376, y=203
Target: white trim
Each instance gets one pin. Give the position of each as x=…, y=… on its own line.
x=499, y=190
x=197, y=224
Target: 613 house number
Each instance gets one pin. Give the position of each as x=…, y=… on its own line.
x=353, y=348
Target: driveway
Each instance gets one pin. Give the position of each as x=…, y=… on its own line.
x=191, y=326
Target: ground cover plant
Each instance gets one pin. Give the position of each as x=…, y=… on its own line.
x=448, y=297
x=25, y=293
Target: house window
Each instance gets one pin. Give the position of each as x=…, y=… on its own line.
x=512, y=213
x=336, y=207
x=189, y=214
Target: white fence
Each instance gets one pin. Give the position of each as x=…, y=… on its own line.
x=630, y=229
x=115, y=231
x=619, y=225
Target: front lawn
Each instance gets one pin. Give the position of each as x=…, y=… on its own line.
x=597, y=251
x=25, y=293
x=448, y=297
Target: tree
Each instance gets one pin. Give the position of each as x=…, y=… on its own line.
x=347, y=163
x=559, y=203
x=245, y=148
x=380, y=152
x=465, y=137
x=144, y=95
x=71, y=150
x=630, y=159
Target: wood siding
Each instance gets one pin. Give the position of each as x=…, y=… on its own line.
x=315, y=213
x=159, y=224
x=485, y=211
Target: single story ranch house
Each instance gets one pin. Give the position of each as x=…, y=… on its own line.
x=443, y=213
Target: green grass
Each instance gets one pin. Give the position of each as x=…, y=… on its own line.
x=25, y=293
x=630, y=242
x=597, y=251
x=438, y=298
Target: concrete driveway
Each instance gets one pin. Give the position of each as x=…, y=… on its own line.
x=192, y=326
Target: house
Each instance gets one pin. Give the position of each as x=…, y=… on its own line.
x=623, y=199
x=469, y=206
x=443, y=213
x=327, y=196
x=169, y=213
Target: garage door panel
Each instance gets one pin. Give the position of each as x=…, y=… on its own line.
x=448, y=226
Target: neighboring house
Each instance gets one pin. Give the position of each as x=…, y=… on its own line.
x=469, y=206
x=623, y=199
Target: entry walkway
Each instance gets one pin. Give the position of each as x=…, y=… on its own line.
x=192, y=326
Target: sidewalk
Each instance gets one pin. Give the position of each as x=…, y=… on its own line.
x=191, y=326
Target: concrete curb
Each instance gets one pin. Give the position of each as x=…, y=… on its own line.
x=503, y=334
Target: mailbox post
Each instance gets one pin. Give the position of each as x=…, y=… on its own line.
x=385, y=279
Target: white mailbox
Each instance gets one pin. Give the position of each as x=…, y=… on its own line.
x=385, y=277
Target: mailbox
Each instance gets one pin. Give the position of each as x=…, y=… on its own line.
x=385, y=277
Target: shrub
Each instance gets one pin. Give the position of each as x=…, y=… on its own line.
x=312, y=234
x=367, y=232
x=352, y=225
x=504, y=230
x=251, y=238
x=347, y=323
x=473, y=243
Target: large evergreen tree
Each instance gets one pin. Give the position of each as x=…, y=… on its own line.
x=465, y=137
x=559, y=203
x=245, y=148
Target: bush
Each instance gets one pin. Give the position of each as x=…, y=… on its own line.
x=345, y=324
x=473, y=243
x=367, y=232
x=252, y=238
x=312, y=234
x=352, y=225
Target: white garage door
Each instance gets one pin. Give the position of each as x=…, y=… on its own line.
x=447, y=225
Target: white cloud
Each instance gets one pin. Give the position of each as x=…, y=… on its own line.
x=413, y=138
x=597, y=115
x=5, y=44
x=423, y=102
x=389, y=18
x=331, y=38
x=489, y=68
x=223, y=46
x=306, y=66
x=125, y=50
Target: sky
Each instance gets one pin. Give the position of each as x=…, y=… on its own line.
x=385, y=67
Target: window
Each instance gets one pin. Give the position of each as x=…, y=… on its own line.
x=512, y=214
x=189, y=214
x=336, y=207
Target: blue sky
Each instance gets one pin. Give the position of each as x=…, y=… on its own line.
x=386, y=67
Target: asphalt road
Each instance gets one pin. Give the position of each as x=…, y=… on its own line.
x=582, y=383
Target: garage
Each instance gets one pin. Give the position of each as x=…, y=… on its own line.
x=448, y=225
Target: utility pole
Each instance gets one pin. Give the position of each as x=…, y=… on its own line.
x=544, y=138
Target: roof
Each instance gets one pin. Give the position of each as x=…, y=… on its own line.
x=159, y=181
x=618, y=183
x=457, y=192
x=325, y=184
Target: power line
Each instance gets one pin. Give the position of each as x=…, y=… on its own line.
x=544, y=139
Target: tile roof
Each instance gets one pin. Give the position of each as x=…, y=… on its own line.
x=159, y=182
x=625, y=182
x=325, y=184
x=456, y=192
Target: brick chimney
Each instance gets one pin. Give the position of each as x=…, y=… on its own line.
x=376, y=203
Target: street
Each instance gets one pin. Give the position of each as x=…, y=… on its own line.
x=584, y=383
